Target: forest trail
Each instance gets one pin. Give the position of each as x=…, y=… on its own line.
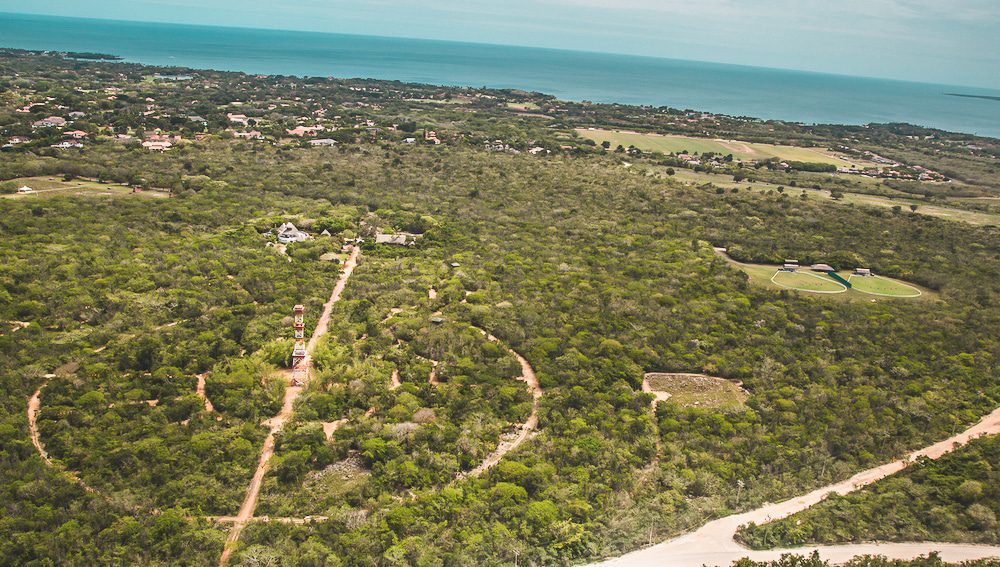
x=395, y=383
x=658, y=396
x=526, y=428
x=285, y=414
x=201, y=394
x=35, y=406
x=714, y=543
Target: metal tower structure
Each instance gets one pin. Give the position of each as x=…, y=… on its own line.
x=299, y=352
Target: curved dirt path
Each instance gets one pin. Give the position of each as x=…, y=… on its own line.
x=658, y=396
x=527, y=376
x=713, y=543
x=34, y=407
x=287, y=411
x=201, y=394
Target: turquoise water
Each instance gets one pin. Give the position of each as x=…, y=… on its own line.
x=729, y=89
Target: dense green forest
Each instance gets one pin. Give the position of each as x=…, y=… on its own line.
x=593, y=271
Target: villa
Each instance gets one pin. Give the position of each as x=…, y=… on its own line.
x=301, y=131
x=49, y=122
x=288, y=233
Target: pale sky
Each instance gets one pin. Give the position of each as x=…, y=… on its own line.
x=938, y=41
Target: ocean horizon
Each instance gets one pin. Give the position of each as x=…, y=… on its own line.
x=737, y=90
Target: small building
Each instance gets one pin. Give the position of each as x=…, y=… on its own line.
x=789, y=267
x=324, y=142
x=51, y=121
x=396, y=239
x=251, y=135
x=822, y=268
x=157, y=145
x=67, y=144
x=25, y=189
x=302, y=131
x=863, y=272
x=75, y=134
x=288, y=233
x=237, y=118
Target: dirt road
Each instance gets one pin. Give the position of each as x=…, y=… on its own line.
x=285, y=414
x=201, y=394
x=713, y=543
x=527, y=376
x=34, y=406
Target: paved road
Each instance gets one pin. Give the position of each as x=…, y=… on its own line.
x=713, y=543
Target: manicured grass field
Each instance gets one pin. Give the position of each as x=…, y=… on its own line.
x=804, y=280
x=740, y=150
x=808, y=282
x=698, y=390
x=45, y=186
x=878, y=285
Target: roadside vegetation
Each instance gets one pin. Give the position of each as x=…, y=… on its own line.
x=952, y=499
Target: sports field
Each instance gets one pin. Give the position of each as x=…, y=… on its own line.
x=811, y=282
x=878, y=285
x=740, y=150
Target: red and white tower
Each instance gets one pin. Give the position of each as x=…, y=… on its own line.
x=299, y=352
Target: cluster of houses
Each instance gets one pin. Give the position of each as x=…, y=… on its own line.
x=160, y=142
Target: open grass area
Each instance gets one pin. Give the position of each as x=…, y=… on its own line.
x=879, y=285
x=740, y=150
x=807, y=281
x=698, y=390
x=45, y=186
x=977, y=218
x=522, y=106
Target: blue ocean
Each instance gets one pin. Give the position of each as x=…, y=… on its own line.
x=572, y=75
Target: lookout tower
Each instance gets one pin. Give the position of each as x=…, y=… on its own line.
x=299, y=352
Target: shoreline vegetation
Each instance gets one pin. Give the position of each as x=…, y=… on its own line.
x=480, y=214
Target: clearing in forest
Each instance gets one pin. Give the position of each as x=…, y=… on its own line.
x=810, y=282
x=878, y=285
x=51, y=186
x=741, y=150
x=695, y=390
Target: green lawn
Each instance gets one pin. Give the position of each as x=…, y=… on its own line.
x=740, y=150
x=808, y=282
x=878, y=285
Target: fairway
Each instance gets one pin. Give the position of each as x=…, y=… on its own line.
x=878, y=285
x=740, y=150
x=51, y=186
